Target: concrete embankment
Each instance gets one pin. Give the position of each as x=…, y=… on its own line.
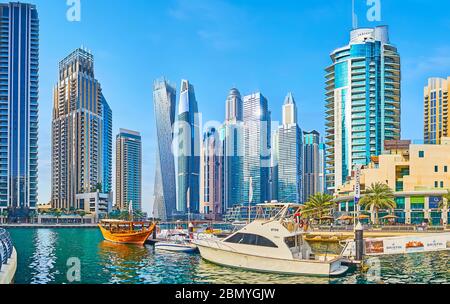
x=8, y=270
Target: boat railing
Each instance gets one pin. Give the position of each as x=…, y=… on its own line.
x=218, y=244
x=6, y=247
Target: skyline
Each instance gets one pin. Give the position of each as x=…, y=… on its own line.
x=284, y=68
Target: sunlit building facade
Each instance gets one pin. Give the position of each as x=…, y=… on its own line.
x=362, y=102
x=19, y=89
x=436, y=101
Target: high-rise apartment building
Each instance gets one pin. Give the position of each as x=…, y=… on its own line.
x=436, y=101
x=290, y=155
x=188, y=154
x=107, y=147
x=312, y=173
x=233, y=150
x=80, y=142
x=362, y=102
x=257, y=149
x=19, y=89
x=128, y=170
x=165, y=195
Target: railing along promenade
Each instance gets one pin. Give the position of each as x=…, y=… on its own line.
x=397, y=228
x=8, y=258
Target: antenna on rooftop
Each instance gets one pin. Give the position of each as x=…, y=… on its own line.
x=354, y=16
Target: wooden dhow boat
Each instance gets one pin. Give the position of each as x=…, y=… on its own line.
x=126, y=232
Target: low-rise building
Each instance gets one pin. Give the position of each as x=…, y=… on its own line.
x=419, y=175
x=97, y=204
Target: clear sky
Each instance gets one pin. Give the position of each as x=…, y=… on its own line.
x=266, y=45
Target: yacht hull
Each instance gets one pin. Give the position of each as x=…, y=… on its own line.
x=230, y=258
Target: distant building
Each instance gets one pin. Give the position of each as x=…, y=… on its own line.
x=257, y=155
x=19, y=117
x=418, y=174
x=189, y=152
x=128, y=170
x=290, y=155
x=107, y=147
x=363, y=95
x=313, y=172
x=80, y=143
x=212, y=193
x=164, y=101
x=233, y=150
x=436, y=101
x=97, y=204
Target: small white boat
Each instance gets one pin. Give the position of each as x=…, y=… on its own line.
x=175, y=241
x=275, y=245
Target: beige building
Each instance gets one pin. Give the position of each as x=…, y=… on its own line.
x=419, y=175
x=436, y=110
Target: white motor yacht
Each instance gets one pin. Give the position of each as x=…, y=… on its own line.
x=273, y=244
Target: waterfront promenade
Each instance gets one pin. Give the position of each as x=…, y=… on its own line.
x=8, y=258
x=49, y=226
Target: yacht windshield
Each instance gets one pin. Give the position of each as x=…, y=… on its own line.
x=251, y=239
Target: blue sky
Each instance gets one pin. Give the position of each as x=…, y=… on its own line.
x=272, y=46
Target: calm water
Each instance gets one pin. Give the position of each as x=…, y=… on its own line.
x=43, y=255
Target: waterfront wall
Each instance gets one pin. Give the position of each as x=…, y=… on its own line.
x=8, y=270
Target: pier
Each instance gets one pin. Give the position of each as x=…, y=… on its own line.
x=8, y=258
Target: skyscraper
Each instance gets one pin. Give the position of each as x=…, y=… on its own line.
x=128, y=170
x=212, y=175
x=164, y=101
x=107, y=147
x=257, y=154
x=436, y=110
x=79, y=164
x=362, y=102
x=311, y=164
x=19, y=89
x=290, y=155
x=188, y=151
x=233, y=150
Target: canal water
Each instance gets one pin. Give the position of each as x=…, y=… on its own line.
x=44, y=255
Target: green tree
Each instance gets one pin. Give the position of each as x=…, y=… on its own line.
x=57, y=213
x=318, y=205
x=4, y=216
x=378, y=197
x=81, y=213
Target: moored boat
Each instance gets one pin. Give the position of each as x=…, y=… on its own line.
x=272, y=243
x=126, y=232
x=176, y=241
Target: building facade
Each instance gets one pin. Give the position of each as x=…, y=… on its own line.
x=362, y=102
x=212, y=187
x=128, y=170
x=96, y=204
x=436, y=101
x=165, y=195
x=107, y=147
x=233, y=150
x=312, y=173
x=19, y=89
x=419, y=175
x=257, y=154
x=290, y=155
x=188, y=154
x=79, y=164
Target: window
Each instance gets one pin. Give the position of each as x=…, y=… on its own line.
x=445, y=169
x=436, y=184
x=250, y=239
x=421, y=154
x=436, y=168
x=442, y=184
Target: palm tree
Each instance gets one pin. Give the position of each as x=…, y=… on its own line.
x=378, y=197
x=57, y=213
x=318, y=205
x=4, y=216
x=82, y=214
x=443, y=204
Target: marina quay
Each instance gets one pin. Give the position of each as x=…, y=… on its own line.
x=8, y=258
x=419, y=176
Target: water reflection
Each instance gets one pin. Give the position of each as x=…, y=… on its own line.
x=44, y=258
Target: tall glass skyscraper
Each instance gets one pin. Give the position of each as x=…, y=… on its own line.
x=290, y=155
x=107, y=147
x=19, y=88
x=436, y=101
x=165, y=196
x=311, y=167
x=257, y=153
x=188, y=151
x=233, y=150
x=79, y=164
x=128, y=170
x=362, y=102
